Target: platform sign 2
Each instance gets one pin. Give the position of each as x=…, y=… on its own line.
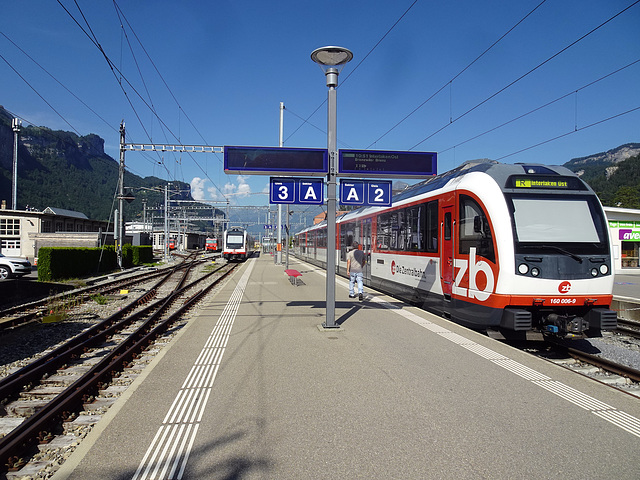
x=305, y=191
x=365, y=192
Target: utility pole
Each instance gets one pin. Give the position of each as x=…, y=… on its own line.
x=279, y=246
x=15, y=123
x=166, y=222
x=120, y=216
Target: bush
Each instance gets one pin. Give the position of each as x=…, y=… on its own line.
x=58, y=263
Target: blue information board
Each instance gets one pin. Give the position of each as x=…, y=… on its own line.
x=378, y=163
x=365, y=192
x=305, y=191
x=276, y=160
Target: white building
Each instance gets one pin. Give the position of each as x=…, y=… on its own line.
x=23, y=232
x=624, y=229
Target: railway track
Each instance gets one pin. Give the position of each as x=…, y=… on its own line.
x=37, y=310
x=579, y=357
x=629, y=327
x=48, y=393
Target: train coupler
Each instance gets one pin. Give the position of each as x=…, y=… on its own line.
x=568, y=326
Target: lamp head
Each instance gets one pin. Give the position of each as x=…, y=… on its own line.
x=331, y=60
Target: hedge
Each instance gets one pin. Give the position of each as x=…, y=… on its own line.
x=58, y=263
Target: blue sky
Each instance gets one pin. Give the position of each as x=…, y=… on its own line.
x=215, y=73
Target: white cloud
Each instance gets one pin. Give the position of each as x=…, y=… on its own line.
x=244, y=189
x=201, y=189
x=197, y=188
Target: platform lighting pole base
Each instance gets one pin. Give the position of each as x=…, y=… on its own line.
x=330, y=327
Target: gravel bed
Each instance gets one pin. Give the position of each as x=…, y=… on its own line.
x=618, y=348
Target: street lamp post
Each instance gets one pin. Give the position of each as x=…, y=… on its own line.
x=331, y=60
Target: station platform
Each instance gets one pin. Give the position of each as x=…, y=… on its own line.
x=255, y=388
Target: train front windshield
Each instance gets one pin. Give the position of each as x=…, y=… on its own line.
x=235, y=240
x=572, y=223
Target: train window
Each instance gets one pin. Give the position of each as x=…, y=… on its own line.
x=474, y=229
x=447, y=226
x=413, y=229
x=432, y=226
x=347, y=236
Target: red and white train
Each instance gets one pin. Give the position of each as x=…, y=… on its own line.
x=211, y=244
x=235, y=244
x=496, y=247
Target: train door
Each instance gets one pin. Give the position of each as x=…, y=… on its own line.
x=447, y=257
x=365, y=240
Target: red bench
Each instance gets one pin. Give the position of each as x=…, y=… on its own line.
x=293, y=276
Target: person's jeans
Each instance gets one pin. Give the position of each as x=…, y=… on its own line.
x=353, y=278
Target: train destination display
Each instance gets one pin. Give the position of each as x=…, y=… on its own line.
x=377, y=163
x=546, y=182
x=275, y=160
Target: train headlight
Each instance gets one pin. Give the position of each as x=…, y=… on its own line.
x=535, y=271
x=604, y=269
x=523, y=268
x=594, y=272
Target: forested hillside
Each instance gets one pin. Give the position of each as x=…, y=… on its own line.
x=614, y=175
x=60, y=169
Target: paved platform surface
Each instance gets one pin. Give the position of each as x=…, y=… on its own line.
x=253, y=388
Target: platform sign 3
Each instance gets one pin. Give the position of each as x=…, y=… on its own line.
x=305, y=191
x=365, y=192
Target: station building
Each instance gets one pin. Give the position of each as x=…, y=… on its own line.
x=23, y=232
x=624, y=230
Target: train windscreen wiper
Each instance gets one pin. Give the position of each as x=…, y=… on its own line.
x=557, y=249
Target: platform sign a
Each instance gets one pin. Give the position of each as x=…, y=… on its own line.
x=304, y=191
x=365, y=192
x=352, y=192
x=310, y=191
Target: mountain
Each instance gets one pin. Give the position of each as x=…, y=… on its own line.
x=64, y=170
x=614, y=175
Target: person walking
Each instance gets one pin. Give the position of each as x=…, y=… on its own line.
x=355, y=263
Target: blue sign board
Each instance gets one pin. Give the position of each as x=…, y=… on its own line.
x=276, y=160
x=378, y=163
x=305, y=191
x=365, y=192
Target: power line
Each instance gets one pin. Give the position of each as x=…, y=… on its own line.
x=121, y=14
x=457, y=75
x=571, y=132
x=541, y=107
x=38, y=93
x=526, y=74
x=356, y=67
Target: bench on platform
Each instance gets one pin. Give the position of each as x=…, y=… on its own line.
x=293, y=276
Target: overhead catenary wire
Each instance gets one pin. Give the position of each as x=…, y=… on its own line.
x=180, y=109
x=305, y=121
x=576, y=130
x=525, y=74
x=119, y=77
x=39, y=95
x=450, y=81
x=562, y=97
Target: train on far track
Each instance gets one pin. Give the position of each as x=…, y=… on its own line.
x=501, y=248
x=211, y=244
x=236, y=244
